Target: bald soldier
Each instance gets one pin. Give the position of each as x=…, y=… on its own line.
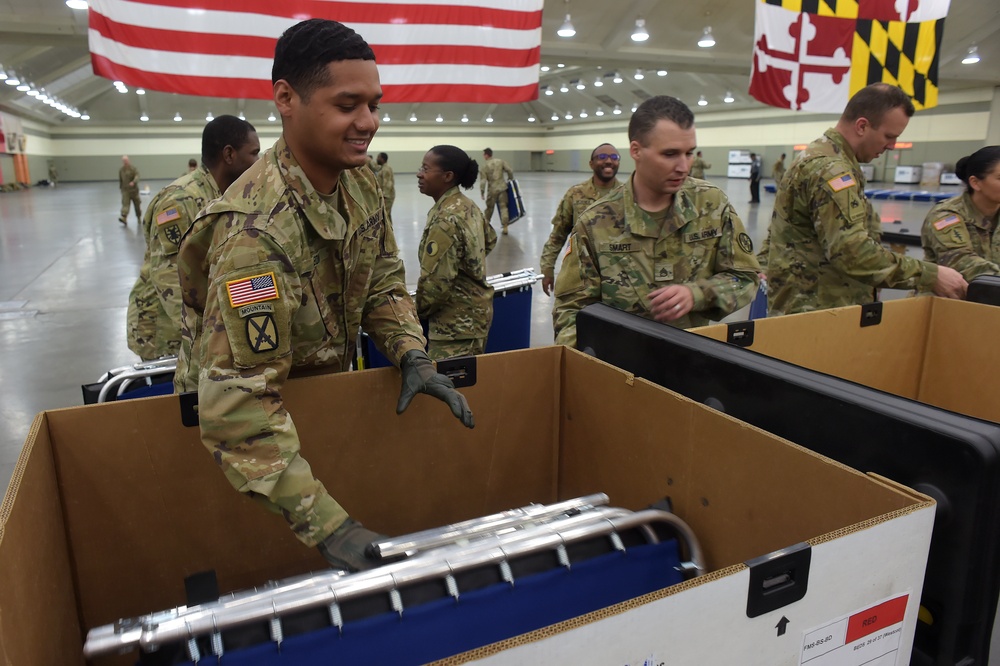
x=663, y=246
x=229, y=146
x=604, y=162
x=825, y=237
x=282, y=271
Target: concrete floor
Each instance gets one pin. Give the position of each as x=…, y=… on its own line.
x=67, y=266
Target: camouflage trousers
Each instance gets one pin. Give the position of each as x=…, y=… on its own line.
x=441, y=349
x=498, y=199
x=131, y=197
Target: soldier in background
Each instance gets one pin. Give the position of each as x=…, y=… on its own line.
x=128, y=183
x=698, y=166
x=53, y=174
x=493, y=178
x=663, y=246
x=452, y=293
x=825, y=237
x=192, y=165
x=604, y=162
x=755, y=178
x=778, y=170
x=280, y=274
x=961, y=232
x=387, y=180
x=229, y=146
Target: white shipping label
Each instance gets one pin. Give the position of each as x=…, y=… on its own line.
x=868, y=637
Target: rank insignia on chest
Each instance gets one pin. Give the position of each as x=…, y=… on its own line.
x=168, y=215
x=173, y=234
x=262, y=334
x=946, y=222
x=253, y=289
x=663, y=271
x=841, y=182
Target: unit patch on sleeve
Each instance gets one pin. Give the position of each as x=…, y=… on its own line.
x=173, y=234
x=262, y=334
x=253, y=289
x=169, y=215
x=431, y=249
x=946, y=222
x=841, y=182
x=743, y=240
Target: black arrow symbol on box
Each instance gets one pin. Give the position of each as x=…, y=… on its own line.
x=782, y=623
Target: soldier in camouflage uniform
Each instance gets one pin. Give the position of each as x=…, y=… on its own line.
x=284, y=269
x=962, y=231
x=778, y=170
x=229, y=146
x=452, y=293
x=663, y=246
x=493, y=178
x=604, y=161
x=387, y=180
x=128, y=183
x=698, y=167
x=825, y=248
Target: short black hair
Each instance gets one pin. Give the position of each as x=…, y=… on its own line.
x=876, y=100
x=655, y=109
x=305, y=49
x=220, y=132
x=193, y=162
x=594, y=151
x=384, y=156
x=978, y=164
x=488, y=151
x=456, y=160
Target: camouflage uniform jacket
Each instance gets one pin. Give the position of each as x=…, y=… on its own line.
x=491, y=176
x=957, y=235
x=128, y=174
x=825, y=248
x=154, y=306
x=698, y=167
x=452, y=293
x=576, y=200
x=778, y=170
x=388, y=182
x=618, y=255
x=283, y=278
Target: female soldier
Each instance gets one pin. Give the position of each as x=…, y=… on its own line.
x=961, y=232
x=452, y=293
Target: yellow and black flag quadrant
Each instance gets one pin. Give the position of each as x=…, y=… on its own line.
x=901, y=54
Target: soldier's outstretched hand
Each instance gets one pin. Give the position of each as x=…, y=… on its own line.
x=950, y=283
x=421, y=376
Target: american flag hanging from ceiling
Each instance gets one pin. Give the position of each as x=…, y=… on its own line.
x=813, y=55
x=465, y=51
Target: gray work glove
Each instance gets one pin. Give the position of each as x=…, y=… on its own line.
x=420, y=376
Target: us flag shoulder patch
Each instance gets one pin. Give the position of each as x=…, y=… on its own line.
x=253, y=289
x=169, y=215
x=841, y=182
x=946, y=222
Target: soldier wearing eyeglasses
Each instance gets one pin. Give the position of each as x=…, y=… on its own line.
x=604, y=161
x=664, y=246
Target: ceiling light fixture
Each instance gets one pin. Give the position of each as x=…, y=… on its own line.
x=177, y=117
x=12, y=79
x=140, y=91
x=76, y=4
x=639, y=76
x=386, y=117
x=489, y=117
x=413, y=117
x=729, y=99
x=568, y=116
x=566, y=29
x=635, y=106
x=640, y=34
x=209, y=117
x=271, y=117
x=439, y=119
x=560, y=64
x=465, y=118
x=707, y=41
x=598, y=82
x=545, y=68
x=241, y=116
x=599, y=112
x=580, y=85
x=702, y=101
x=617, y=110
x=584, y=114
x=555, y=116
x=661, y=72
x=33, y=90
x=144, y=118
x=563, y=88
x=84, y=115
x=24, y=86
x=532, y=118
x=971, y=58
x=616, y=77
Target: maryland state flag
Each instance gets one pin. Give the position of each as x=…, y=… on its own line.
x=813, y=55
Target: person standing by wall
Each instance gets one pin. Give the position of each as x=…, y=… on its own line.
x=387, y=180
x=754, y=178
x=452, y=292
x=604, y=162
x=961, y=232
x=698, y=166
x=493, y=186
x=778, y=170
x=128, y=183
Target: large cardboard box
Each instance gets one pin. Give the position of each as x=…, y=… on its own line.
x=937, y=351
x=112, y=505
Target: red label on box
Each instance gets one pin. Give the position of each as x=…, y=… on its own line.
x=875, y=618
